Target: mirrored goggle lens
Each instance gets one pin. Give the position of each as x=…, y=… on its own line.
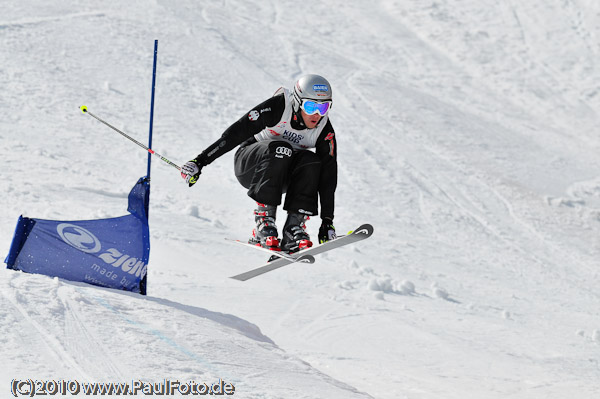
x=312, y=107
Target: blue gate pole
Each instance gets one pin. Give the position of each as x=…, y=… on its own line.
x=150, y=132
x=152, y=108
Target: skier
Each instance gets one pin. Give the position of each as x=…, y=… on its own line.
x=274, y=157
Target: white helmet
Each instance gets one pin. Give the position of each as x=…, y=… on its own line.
x=311, y=87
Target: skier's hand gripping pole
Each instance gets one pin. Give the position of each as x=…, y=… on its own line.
x=190, y=172
x=84, y=109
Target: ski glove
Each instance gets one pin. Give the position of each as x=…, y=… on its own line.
x=326, y=231
x=190, y=172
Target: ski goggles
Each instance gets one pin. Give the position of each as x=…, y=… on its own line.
x=312, y=107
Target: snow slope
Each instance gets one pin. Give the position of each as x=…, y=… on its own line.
x=467, y=134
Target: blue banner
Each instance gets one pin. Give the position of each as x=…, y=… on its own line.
x=110, y=253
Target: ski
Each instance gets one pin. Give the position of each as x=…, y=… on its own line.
x=361, y=233
x=280, y=254
x=276, y=264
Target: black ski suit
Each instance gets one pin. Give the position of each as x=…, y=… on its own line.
x=274, y=157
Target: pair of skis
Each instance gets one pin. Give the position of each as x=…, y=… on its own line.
x=306, y=255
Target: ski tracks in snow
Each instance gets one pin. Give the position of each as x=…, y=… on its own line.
x=42, y=20
x=43, y=333
x=89, y=348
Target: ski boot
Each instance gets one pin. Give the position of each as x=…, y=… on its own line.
x=295, y=237
x=265, y=233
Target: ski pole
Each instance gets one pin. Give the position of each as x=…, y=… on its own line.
x=84, y=109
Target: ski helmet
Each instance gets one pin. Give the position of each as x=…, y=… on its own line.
x=311, y=87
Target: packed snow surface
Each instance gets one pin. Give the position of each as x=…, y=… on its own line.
x=467, y=135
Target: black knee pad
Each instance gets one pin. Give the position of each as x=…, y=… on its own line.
x=307, y=160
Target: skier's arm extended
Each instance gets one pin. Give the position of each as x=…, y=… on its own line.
x=265, y=114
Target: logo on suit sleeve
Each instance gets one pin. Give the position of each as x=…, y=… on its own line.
x=253, y=115
x=329, y=138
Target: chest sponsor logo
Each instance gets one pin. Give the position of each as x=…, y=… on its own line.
x=293, y=137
